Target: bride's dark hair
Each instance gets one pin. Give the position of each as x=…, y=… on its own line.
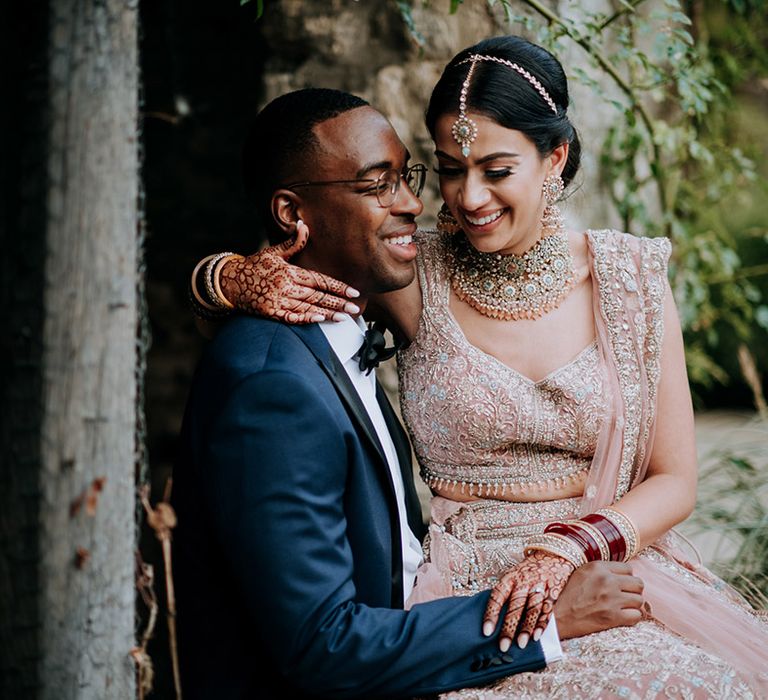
x=502, y=94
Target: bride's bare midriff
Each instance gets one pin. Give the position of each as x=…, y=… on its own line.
x=514, y=493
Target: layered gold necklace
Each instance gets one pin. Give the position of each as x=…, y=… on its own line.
x=511, y=287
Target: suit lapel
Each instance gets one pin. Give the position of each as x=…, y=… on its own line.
x=403, y=448
x=317, y=343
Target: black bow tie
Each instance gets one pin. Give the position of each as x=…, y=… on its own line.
x=373, y=350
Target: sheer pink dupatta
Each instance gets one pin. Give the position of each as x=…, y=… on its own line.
x=630, y=277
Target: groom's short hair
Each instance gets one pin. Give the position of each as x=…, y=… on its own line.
x=281, y=147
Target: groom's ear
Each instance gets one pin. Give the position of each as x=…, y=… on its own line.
x=285, y=211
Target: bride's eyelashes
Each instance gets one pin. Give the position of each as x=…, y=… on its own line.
x=494, y=174
x=498, y=173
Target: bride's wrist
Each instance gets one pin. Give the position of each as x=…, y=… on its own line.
x=606, y=535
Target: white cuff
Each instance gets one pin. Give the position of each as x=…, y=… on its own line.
x=550, y=642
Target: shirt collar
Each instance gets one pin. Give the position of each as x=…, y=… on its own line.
x=345, y=337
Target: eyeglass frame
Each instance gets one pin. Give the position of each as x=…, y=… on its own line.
x=416, y=167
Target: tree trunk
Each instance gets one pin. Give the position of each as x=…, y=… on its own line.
x=68, y=457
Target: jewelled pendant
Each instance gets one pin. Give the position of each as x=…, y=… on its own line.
x=464, y=131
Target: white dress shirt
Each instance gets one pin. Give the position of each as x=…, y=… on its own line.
x=345, y=338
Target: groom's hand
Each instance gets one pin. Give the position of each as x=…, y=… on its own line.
x=598, y=596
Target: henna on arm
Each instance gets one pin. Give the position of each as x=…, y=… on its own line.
x=266, y=284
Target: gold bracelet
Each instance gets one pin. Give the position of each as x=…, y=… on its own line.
x=193, y=285
x=212, y=296
x=626, y=527
x=558, y=545
x=217, y=268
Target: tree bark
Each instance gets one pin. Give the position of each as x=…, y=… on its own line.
x=79, y=450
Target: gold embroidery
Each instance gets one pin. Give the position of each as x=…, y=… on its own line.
x=643, y=662
x=630, y=310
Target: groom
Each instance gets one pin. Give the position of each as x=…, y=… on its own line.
x=299, y=525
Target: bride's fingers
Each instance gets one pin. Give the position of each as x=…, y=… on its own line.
x=312, y=314
x=306, y=312
x=323, y=299
x=547, y=608
x=317, y=280
x=533, y=613
x=515, y=611
x=295, y=244
x=531, y=616
x=298, y=319
x=499, y=594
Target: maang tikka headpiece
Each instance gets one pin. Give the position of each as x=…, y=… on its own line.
x=464, y=129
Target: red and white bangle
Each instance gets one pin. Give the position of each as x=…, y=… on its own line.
x=607, y=535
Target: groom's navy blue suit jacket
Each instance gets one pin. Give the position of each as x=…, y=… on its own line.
x=287, y=552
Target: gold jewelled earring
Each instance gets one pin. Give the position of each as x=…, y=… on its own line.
x=446, y=222
x=552, y=189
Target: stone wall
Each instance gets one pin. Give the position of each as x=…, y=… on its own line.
x=365, y=48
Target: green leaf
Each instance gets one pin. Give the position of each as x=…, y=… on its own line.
x=406, y=12
x=742, y=464
x=680, y=17
x=455, y=6
x=761, y=316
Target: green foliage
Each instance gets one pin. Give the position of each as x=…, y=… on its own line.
x=406, y=12
x=732, y=511
x=259, y=7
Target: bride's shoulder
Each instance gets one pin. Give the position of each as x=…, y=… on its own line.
x=611, y=241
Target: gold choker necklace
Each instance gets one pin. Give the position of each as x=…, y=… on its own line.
x=511, y=287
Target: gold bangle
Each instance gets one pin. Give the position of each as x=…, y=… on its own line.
x=558, y=545
x=193, y=285
x=218, y=267
x=208, y=276
x=626, y=527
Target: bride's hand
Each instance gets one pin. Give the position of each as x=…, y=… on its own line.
x=532, y=588
x=266, y=284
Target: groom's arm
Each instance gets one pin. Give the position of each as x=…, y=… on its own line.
x=276, y=466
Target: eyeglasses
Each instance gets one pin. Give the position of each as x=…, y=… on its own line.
x=385, y=186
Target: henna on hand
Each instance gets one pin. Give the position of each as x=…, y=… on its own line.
x=266, y=284
x=530, y=590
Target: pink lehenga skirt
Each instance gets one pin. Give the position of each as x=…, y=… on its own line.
x=698, y=638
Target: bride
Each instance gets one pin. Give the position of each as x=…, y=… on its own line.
x=543, y=384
